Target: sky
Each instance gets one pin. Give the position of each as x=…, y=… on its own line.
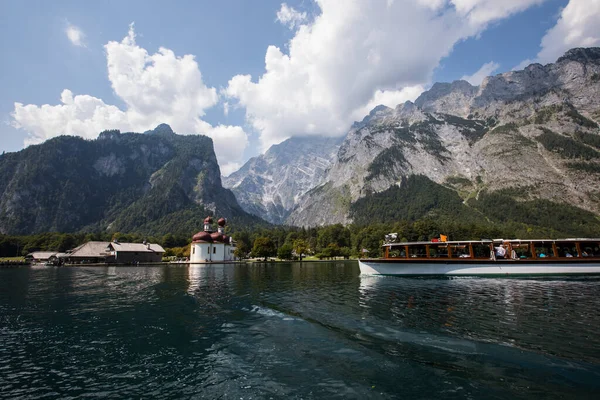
x=251, y=74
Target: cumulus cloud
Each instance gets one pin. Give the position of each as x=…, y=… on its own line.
x=81, y=115
x=156, y=88
x=577, y=26
x=290, y=17
x=75, y=35
x=486, y=69
x=351, y=54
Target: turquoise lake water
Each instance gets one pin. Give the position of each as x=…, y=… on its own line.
x=301, y=331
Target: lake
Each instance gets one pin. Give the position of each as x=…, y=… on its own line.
x=310, y=330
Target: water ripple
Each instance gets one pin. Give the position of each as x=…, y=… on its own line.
x=293, y=331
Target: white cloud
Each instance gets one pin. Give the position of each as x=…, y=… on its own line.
x=156, y=88
x=75, y=35
x=480, y=12
x=432, y=4
x=352, y=53
x=523, y=64
x=81, y=115
x=389, y=98
x=225, y=108
x=290, y=17
x=486, y=70
x=578, y=26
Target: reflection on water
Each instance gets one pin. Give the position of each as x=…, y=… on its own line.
x=310, y=330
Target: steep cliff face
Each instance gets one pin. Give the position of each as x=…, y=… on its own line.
x=120, y=181
x=533, y=132
x=270, y=185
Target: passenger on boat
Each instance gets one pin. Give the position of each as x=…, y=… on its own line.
x=500, y=251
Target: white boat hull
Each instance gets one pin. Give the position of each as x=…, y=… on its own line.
x=507, y=267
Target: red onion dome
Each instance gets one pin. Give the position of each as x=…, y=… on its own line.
x=216, y=236
x=222, y=221
x=208, y=220
x=202, y=236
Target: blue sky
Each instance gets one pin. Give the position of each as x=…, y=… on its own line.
x=330, y=62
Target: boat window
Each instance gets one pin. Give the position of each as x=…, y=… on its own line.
x=521, y=250
x=438, y=250
x=418, y=250
x=397, y=252
x=567, y=249
x=543, y=249
x=459, y=251
x=481, y=250
x=590, y=249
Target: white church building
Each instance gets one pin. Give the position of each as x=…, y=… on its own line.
x=209, y=246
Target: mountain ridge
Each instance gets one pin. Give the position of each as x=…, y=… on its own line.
x=269, y=185
x=533, y=130
x=117, y=182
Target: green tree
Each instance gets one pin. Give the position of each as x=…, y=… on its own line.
x=263, y=247
x=66, y=242
x=168, y=240
x=285, y=252
x=243, y=244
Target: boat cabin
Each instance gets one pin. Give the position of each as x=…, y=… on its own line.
x=514, y=249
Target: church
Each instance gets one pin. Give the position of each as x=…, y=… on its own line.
x=209, y=246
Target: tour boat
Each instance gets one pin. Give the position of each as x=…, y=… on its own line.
x=486, y=257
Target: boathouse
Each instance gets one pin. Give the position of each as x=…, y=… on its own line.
x=40, y=256
x=114, y=253
x=126, y=253
x=210, y=246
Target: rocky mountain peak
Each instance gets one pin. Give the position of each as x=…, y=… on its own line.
x=454, y=97
x=532, y=131
x=162, y=129
x=582, y=55
x=270, y=184
x=376, y=112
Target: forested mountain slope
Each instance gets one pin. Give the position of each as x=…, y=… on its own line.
x=157, y=182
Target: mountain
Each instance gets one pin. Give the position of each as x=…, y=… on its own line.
x=157, y=182
x=521, y=142
x=270, y=185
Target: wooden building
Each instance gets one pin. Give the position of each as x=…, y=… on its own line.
x=114, y=253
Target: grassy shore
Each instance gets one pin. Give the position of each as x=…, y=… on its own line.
x=12, y=259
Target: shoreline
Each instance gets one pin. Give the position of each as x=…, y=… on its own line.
x=28, y=264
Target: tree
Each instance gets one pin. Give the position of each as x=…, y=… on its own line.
x=242, y=239
x=263, y=247
x=66, y=242
x=300, y=247
x=285, y=252
x=168, y=240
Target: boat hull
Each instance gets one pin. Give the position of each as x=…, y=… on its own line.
x=477, y=267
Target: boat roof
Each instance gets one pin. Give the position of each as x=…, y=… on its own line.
x=489, y=241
